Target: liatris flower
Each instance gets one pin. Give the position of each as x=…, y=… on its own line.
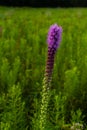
x=54, y=38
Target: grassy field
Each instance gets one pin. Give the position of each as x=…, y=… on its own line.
x=23, y=53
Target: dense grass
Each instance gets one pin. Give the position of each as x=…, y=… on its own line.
x=23, y=52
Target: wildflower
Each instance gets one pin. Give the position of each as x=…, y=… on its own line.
x=54, y=36
x=53, y=40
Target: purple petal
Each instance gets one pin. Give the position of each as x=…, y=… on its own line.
x=54, y=36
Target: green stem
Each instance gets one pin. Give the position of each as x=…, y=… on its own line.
x=44, y=103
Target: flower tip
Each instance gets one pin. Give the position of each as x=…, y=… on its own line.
x=54, y=36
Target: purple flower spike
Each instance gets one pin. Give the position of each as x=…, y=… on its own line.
x=54, y=39
x=54, y=36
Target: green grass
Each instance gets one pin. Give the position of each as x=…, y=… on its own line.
x=23, y=51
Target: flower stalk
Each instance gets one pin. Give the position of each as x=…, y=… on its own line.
x=53, y=40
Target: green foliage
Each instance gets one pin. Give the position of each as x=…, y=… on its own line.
x=76, y=116
x=13, y=113
x=23, y=50
x=56, y=111
x=76, y=120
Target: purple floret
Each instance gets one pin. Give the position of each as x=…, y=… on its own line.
x=54, y=36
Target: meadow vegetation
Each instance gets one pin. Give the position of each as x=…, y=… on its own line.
x=23, y=53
